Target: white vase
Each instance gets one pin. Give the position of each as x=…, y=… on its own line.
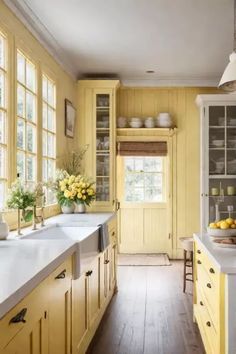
x=81, y=208
x=68, y=209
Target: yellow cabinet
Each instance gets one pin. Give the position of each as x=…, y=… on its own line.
x=60, y=309
x=41, y=322
x=97, y=110
x=209, y=301
x=24, y=329
x=93, y=291
x=79, y=311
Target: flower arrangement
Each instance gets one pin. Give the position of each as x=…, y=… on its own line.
x=21, y=197
x=73, y=189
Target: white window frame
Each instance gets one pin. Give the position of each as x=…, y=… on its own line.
x=3, y=109
x=162, y=173
x=34, y=124
x=46, y=132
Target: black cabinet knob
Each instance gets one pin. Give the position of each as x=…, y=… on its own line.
x=201, y=303
x=208, y=324
x=62, y=275
x=211, y=270
x=199, y=252
x=209, y=285
x=20, y=317
x=199, y=262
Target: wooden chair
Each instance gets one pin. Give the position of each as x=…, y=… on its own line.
x=187, y=244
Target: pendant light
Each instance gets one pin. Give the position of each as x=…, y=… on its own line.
x=228, y=80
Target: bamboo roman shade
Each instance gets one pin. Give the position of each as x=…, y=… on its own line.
x=140, y=148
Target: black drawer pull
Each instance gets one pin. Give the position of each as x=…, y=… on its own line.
x=209, y=285
x=211, y=270
x=88, y=273
x=208, y=323
x=20, y=317
x=199, y=262
x=113, y=233
x=201, y=303
x=199, y=252
x=62, y=275
x=106, y=261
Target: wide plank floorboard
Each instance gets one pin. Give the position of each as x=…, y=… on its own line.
x=149, y=315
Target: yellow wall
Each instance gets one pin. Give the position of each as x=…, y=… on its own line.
x=180, y=102
x=19, y=37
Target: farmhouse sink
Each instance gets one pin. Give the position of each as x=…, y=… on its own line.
x=86, y=239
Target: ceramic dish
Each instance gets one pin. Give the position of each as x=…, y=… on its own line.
x=218, y=143
x=221, y=233
x=135, y=124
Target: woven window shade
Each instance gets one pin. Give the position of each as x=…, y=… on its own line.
x=133, y=148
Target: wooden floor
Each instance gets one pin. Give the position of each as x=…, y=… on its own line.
x=149, y=315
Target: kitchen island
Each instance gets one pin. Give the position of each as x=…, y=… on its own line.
x=214, y=295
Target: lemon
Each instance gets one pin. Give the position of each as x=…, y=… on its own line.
x=224, y=225
x=213, y=225
x=233, y=226
x=230, y=221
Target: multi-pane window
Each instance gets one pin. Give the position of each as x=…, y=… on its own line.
x=26, y=119
x=3, y=120
x=145, y=179
x=49, y=133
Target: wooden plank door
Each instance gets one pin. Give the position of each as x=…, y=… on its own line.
x=145, y=226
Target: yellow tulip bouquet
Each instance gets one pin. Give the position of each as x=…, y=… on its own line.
x=74, y=189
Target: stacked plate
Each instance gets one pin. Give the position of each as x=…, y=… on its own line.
x=135, y=122
x=163, y=120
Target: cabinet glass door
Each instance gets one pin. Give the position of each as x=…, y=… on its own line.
x=222, y=162
x=103, y=143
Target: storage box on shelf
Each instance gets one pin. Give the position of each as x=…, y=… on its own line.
x=218, y=157
x=209, y=301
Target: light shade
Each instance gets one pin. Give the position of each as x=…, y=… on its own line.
x=228, y=80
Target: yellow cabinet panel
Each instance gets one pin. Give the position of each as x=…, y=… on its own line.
x=60, y=309
x=79, y=311
x=93, y=291
x=30, y=340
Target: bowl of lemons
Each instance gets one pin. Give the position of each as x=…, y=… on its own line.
x=222, y=228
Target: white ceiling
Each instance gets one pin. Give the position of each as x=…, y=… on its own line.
x=186, y=42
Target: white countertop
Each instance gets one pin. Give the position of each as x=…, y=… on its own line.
x=26, y=262
x=223, y=258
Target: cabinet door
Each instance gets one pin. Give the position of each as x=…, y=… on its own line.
x=94, y=291
x=32, y=339
x=60, y=309
x=79, y=311
x=102, y=278
x=113, y=267
x=104, y=149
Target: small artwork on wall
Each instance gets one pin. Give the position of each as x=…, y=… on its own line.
x=70, y=114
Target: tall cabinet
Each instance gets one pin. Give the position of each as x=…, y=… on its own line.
x=218, y=157
x=97, y=119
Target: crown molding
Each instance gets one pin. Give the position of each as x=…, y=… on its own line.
x=171, y=82
x=28, y=17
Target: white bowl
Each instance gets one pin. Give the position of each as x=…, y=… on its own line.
x=164, y=120
x=122, y=122
x=218, y=143
x=220, y=232
x=135, y=124
x=135, y=119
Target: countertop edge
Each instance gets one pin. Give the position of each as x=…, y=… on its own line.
x=30, y=285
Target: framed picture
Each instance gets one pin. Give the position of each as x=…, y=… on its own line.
x=70, y=114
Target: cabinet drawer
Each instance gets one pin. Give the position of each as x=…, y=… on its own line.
x=203, y=259
x=211, y=292
x=207, y=325
x=24, y=314
x=63, y=274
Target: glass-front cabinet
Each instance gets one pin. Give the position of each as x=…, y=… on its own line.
x=218, y=157
x=97, y=110
x=103, y=123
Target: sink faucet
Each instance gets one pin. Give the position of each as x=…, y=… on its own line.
x=38, y=217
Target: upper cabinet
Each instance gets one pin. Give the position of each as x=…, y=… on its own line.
x=97, y=116
x=218, y=157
